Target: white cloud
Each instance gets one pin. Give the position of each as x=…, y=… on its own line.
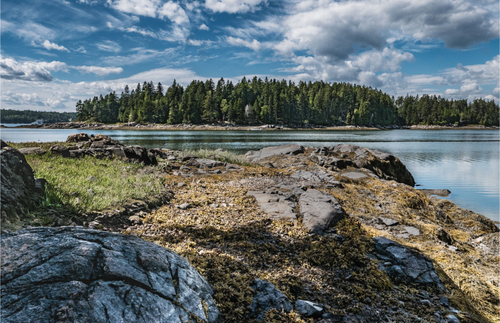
x=254, y=44
x=97, y=70
x=48, y=45
x=109, y=46
x=137, y=7
x=29, y=71
x=233, y=6
x=139, y=30
x=174, y=12
x=203, y=27
x=81, y=49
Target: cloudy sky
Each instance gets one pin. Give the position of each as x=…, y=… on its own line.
x=55, y=52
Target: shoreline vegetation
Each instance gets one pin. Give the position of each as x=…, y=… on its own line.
x=212, y=219
x=233, y=127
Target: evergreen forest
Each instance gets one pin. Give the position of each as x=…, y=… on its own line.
x=267, y=101
x=29, y=116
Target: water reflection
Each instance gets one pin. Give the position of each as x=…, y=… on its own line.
x=464, y=161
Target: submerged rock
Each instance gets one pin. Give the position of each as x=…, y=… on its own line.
x=82, y=275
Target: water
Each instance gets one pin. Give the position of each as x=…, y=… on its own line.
x=464, y=161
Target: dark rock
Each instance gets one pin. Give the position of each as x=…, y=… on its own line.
x=19, y=191
x=320, y=210
x=256, y=156
x=338, y=162
x=387, y=222
x=445, y=301
x=308, y=309
x=3, y=144
x=384, y=165
x=78, y=137
x=444, y=236
x=267, y=297
x=81, y=275
x=452, y=319
x=60, y=150
x=33, y=151
x=188, y=157
x=408, y=266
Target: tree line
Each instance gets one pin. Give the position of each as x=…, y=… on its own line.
x=280, y=102
x=29, y=116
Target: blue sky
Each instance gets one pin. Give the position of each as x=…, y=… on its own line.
x=54, y=53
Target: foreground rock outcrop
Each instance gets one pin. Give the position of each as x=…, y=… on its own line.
x=19, y=189
x=81, y=275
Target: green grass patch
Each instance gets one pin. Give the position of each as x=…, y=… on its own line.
x=220, y=155
x=90, y=184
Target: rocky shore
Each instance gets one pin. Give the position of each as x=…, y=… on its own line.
x=297, y=234
x=228, y=126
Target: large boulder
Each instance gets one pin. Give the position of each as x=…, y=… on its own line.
x=80, y=275
x=384, y=165
x=19, y=191
x=77, y=137
x=405, y=265
x=320, y=210
x=258, y=155
x=267, y=297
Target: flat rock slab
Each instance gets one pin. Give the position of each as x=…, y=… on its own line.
x=412, y=231
x=273, y=151
x=354, y=175
x=317, y=176
x=81, y=275
x=319, y=210
x=33, y=151
x=387, y=222
x=275, y=205
x=405, y=265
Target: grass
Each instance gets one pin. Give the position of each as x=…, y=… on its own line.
x=90, y=184
x=220, y=155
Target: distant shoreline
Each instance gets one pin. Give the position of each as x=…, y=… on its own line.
x=222, y=127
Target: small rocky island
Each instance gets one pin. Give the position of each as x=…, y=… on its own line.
x=288, y=234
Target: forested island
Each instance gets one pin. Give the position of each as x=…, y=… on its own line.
x=281, y=102
x=29, y=116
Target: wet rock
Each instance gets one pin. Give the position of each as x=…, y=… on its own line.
x=452, y=319
x=81, y=275
x=256, y=156
x=387, y=222
x=407, y=265
x=308, y=309
x=267, y=296
x=384, y=165
x=319, y=210
x=33, y=151
x=78, y=137
x=440, y=192
x=19, y=190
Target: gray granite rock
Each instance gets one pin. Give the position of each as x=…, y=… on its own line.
x=19, y=190
x=33, y=151
x=406, y=265
x=319, y=210
x=258, y=155
x=80, y=275
x=266, y=297
x=308, y=309
x=387, y=222
x=316, y=176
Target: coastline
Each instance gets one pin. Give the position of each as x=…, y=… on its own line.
x=223, y=127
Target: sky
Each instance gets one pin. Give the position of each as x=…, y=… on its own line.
x=56, y=52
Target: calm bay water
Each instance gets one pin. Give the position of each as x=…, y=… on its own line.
x=464, y=161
